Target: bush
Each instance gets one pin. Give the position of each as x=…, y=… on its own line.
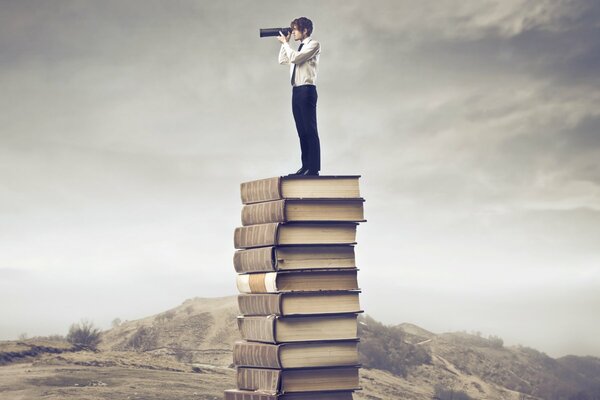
x=143, y=339
x=84, y=334
x=51, y=338
x=383, y=347
x=182, y=355
x=166, y=316
x=496, y=341
x=449, y=394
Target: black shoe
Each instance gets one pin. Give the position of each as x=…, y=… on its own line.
x=301, y=171
x=310, y=172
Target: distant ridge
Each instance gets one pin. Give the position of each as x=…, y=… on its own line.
x=415, y=330
x=202, y=330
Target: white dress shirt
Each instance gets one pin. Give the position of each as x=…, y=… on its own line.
x=306, y=61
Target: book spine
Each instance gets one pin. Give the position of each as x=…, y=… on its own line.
x=266, y=380
x=259, y=304
x=258, y=329
x=257, y=283
x=263, y=213
x=236, y=395
x=260, y=259
x=252, y=354
x=252, y=395
x=261, y=190
x=255, y=236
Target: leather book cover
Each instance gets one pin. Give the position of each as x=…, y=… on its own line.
x=259, y=259
x=260, y=329
x=261, y=190
x=255, y=236
x=262, y=379
x=264, y=213
x=254, y=354
x=259, y=304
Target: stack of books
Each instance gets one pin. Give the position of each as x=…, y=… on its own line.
x=299, y=300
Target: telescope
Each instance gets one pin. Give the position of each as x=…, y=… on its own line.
x=274, y=31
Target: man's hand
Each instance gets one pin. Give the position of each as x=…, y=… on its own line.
x=282, y=38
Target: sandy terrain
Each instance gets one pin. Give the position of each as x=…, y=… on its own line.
x=74, y=377
x=185, y=353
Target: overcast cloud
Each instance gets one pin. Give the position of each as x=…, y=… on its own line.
x=126, y=128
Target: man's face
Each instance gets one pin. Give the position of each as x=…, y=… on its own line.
x=297, y=34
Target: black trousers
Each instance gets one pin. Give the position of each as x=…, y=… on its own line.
x=304, y=107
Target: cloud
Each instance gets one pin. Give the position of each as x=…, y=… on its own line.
x=127, y=128
x=467, y=20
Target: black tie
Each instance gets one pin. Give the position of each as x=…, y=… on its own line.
x=294, y=72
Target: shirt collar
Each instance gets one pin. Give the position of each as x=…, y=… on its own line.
x=306, y=40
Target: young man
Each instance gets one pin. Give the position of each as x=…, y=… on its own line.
x=303, y=71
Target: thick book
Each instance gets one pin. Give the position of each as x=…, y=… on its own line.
x=233, y=394
x=296, y=355
x=272, y=258
x=290, y=281
x=296, y=233
x=275, y=329
x=301, y=187
x=299, y=303
x=303, y=210
x=298, y=380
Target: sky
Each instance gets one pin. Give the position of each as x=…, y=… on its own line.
x=127, y=127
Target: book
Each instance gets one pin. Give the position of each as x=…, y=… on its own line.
x=289, y=281
x=299, y=295
x=271, y=258
x=296, y=355
x=297, y=233
x=299, y=187
x=298, y=380
x=299, y=303
x=303, y=210
x=276, y=329
x=233, y=394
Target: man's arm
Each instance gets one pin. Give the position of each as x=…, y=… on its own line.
x=283, y=58
x=307, y=52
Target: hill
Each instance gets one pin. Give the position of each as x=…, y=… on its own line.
x=200, y=330
x=185, y=352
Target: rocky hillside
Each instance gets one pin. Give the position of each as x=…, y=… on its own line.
x=198, y=331
x=414, y=359
x=476, y=367
x=400, y=362
x=521, y=369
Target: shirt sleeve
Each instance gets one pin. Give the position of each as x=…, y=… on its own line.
x=307, y=52
x=283, y=57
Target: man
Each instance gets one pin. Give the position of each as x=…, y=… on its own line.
x=303, y=70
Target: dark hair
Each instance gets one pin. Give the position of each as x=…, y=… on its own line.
x=302, y=23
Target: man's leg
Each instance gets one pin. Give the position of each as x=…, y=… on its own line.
x=308, y=114
x=297, y=110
